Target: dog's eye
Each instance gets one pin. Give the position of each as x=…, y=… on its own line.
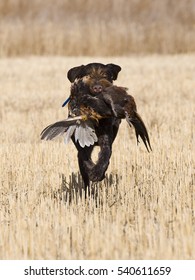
x=86, y=78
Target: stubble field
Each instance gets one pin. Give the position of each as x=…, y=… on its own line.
x=145, y=209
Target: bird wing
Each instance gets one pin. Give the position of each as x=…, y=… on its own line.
x=83, y=131
x=59, y=128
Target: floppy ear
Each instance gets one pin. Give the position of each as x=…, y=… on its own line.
x=114, y=69
x=75, y=72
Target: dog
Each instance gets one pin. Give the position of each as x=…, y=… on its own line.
x=95, y=76
x=96, y=108
x=93, y=86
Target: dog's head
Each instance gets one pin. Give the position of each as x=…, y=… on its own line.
x=96, y=75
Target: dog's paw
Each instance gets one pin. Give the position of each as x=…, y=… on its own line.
x=96, y=174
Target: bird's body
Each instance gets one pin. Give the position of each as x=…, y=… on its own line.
x=86, y=109
x=112, y=101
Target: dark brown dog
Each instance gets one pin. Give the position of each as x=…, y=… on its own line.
x=96, y=108
x=96, y=76
x=93, y=95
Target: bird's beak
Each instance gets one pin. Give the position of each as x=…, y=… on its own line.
x=66, y=101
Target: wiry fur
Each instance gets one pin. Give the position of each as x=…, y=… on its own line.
x=96, y=108
x=93, y=95
x=95, y=76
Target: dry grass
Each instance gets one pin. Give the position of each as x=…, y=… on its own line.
x=103, y=27
x=145, y=208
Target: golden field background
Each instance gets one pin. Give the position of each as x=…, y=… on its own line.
x=100, y=28
x=145, y=209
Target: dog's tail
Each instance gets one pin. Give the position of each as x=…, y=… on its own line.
x=83, y=131
x=140, y=129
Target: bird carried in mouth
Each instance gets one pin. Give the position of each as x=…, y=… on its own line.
x=87, y=107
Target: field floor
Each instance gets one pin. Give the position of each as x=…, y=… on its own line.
x=144, y=209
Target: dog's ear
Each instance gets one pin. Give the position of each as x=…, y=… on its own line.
x=76, y=72
x=114, y=69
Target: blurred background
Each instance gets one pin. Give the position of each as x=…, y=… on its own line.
x=96, y=28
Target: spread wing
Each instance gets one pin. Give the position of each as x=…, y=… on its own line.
x=59, y=128
x=83, y=131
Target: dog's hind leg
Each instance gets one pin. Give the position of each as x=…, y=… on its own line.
x=85, y=164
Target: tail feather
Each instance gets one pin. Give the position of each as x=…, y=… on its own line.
x=85, y=134
x=140, y=129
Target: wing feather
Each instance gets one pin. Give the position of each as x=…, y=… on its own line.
x=83, y=131
x=58, y=128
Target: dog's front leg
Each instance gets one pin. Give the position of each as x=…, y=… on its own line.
x=97, y=172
